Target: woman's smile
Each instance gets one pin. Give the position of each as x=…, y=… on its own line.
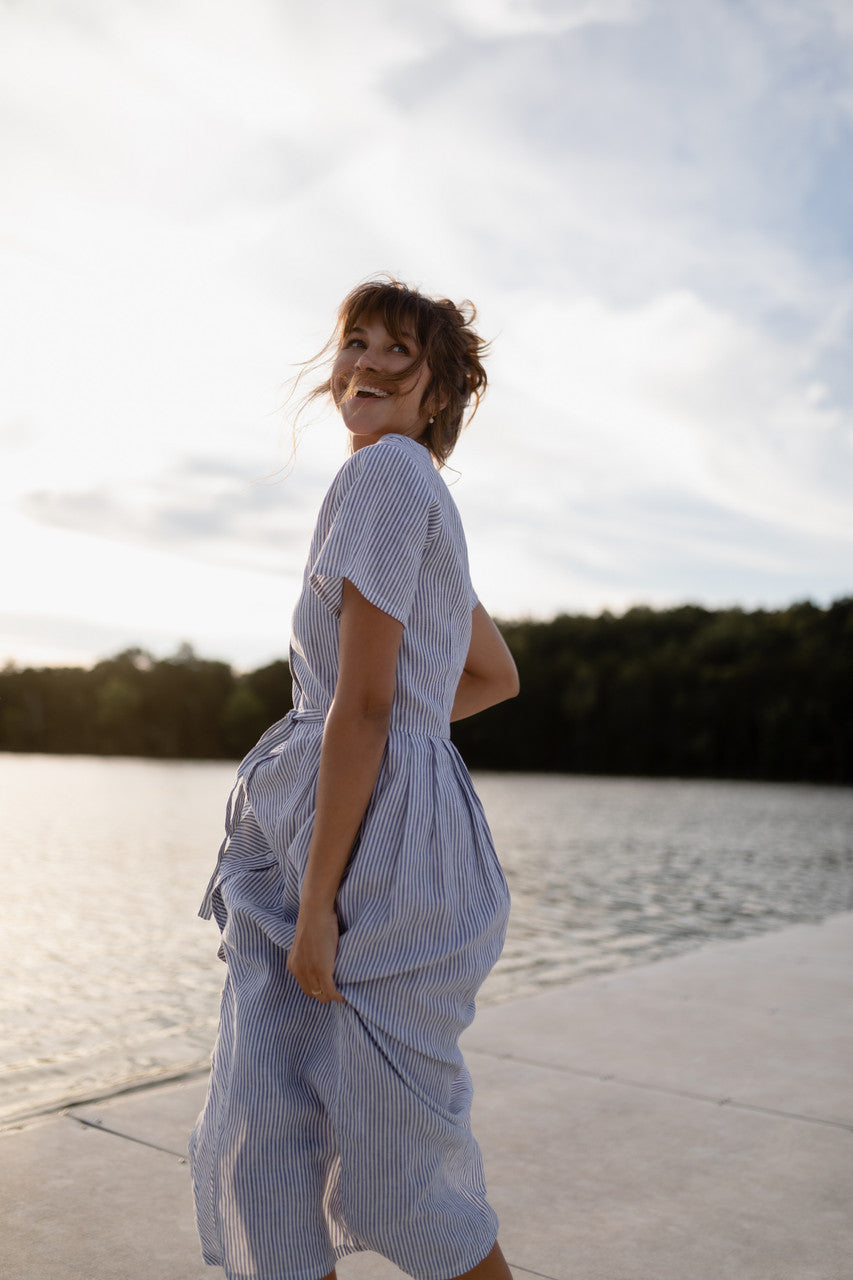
x=369, y=406
x=371, y=391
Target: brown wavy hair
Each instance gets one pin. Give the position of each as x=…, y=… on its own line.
x=447, y=345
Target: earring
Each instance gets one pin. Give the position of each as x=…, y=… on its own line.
x=431, y=421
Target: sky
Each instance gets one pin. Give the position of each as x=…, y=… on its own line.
x=650, y=202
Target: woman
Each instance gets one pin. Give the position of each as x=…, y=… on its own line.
x=358, y=893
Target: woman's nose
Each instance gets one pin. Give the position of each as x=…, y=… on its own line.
x=367, y=359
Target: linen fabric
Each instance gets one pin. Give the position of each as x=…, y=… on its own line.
x=329, y=1129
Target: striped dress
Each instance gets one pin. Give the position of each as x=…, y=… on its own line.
x=333, y=1128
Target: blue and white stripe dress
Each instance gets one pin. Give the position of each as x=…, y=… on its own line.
x=333, y=1128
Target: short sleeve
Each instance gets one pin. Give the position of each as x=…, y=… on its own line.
x=378, y=533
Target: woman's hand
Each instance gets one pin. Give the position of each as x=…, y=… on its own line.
x=311, y=958
x=354, y=739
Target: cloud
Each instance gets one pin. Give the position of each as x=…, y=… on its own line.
x=640, y=153
x=683, y=395
x=657, y=453
x=202, y=508
x=512, y=18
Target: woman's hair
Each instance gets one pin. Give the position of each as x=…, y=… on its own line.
x=447, y=345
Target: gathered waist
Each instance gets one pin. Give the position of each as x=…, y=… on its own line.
x=271, y=744
x=315, y=715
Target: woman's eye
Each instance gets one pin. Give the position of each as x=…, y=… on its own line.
x=354, y=342
x=400, y=346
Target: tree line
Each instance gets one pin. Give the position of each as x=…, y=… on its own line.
x=682, y=692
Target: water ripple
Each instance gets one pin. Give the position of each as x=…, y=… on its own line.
x=111, y=979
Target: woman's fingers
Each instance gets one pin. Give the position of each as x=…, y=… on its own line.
x=311, y=959
x=322, y=990
x=325, y=995
x=319, y=987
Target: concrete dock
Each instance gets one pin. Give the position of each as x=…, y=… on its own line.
x=685, y=1120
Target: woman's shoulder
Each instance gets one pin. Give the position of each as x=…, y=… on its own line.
x=394, y=462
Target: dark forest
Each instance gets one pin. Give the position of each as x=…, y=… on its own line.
x=683, y=692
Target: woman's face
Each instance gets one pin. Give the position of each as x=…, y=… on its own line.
x=378, y=407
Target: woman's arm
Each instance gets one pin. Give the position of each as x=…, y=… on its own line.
x=489, y=675
x=354, y=738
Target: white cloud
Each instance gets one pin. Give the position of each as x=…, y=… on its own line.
x=203, y=509
x=632, y=453
x=506, y=18
x=681, y=394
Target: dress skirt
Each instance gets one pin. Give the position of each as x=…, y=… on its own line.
x=335, y=1128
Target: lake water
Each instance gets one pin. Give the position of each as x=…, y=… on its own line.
x=109, y=977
